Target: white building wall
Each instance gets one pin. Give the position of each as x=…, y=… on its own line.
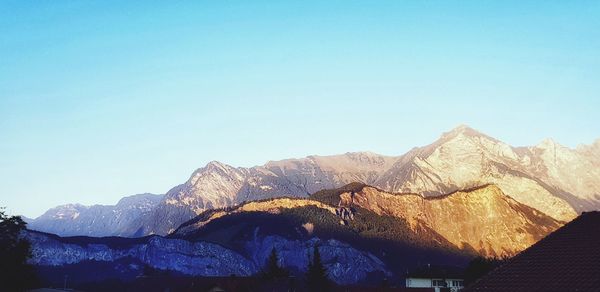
x=427, y=283
x=418, y=283
x=449, y=282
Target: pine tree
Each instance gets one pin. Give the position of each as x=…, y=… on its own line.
x=272, y=268
x=316, y=275
x=15, y=273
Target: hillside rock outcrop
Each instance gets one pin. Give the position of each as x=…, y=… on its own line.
x=484, y=219
x=345, y=264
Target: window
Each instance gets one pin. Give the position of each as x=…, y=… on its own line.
x=438, y=283
x=458, y=283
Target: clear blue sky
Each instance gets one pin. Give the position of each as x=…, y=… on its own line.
x=102, y=99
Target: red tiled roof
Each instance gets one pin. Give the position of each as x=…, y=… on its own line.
x=566, y=260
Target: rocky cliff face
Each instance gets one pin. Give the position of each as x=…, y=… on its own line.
x=484, y=219
x=199, y=258
x=121, y=219
x=572, y=173
x=553, y=179
x=346, y=264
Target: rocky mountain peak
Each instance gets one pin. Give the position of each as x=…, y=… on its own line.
x=64, y=211
x=595, y=146
x=213, y=168
x=67, y=208
x=121, y=219
x=548, y=143
x=459, y=142
x=365, y=157
x=462, y=130
x=217, y=165
x=463, y=137
x=592, y=151
x=139, y=200
x=362, y=154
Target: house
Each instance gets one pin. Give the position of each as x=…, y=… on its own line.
x=566, y=260
x=441, y=278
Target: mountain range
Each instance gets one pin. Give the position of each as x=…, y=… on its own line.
x=550, y=179
x=364, y=235
x=98, y=220
x=372, y=217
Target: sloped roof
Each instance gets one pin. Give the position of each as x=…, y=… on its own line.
x=566, y=260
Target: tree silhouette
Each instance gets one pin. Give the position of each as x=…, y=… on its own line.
x=15, y=273
x=316, y=275
x=272, y=268
x=480, y=266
